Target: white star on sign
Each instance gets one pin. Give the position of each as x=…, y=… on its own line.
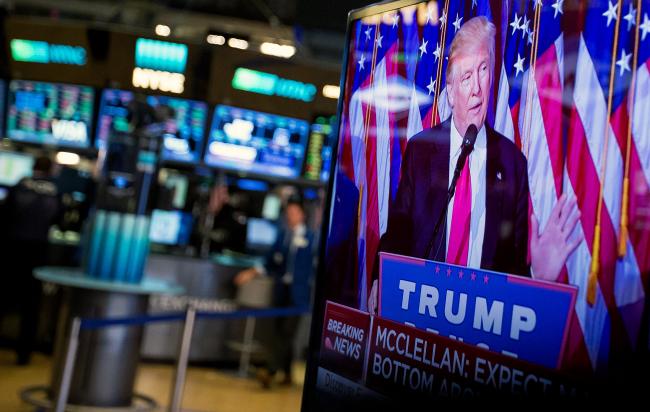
x=431, y=86
x=379, y=39
x=437, y=51
x=558, y=7
x=525, y=26
x=423, y=47
x=611, y=13
x=395, y=19
x=361, y=61
x=457, y=22
x=519, y=66
x=624, y=62
x=630, y=17
x=515, y=24
x=368, y=31
x=645, y=27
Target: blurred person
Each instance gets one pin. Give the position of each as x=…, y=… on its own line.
x=226, y=224
x=290, y=262
x=32, y=207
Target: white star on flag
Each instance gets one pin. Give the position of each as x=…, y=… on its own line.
x=611, y=13
x=457, y=23
x=437, y=51
x=361, y=61
x=431, y=86
x=519, y=65
x=395, y=19
x=624, y=62
x=443, y=18
x=630, y=17
x=367, y=32
x=529, y=32
x=423, y=47
x=539, y=3
x=474, y=4
x=379, y=39
x=645, y=27
x=515, y=24
x=558, y=7
x=525, y=27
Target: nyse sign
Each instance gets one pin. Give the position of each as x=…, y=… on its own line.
x=515, y=316
x=158, y=80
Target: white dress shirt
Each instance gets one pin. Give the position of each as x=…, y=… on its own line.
x=477, y=166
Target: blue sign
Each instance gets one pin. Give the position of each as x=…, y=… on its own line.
x=516, y=316
x=160, y=55
x=33, y=51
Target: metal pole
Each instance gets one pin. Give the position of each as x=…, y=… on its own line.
x=181, y=365
x=247, y=347
x=68, y=368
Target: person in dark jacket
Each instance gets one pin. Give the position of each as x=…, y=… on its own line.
x=32, y=207
x=290, y=263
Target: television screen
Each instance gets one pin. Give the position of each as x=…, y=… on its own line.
x=170, y=227
x=13, y=167
x=489, y=205
x=250, y=141
x=183, y=134
x=260, y=233
x=50, y=113
x=319, y=151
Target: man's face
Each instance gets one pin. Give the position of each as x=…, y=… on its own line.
x=469, y=90
x=295, y=216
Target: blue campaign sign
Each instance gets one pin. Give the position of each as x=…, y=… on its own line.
x=509, y=314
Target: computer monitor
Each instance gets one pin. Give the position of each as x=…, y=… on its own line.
x=113, y=115
x=260, y=233
x=262, y=143
x=183, y=134
x=319, y=150
x=50, y=113
x=14, y=166
x=170, y=227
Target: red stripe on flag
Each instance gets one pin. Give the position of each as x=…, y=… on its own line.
x=585, y=181
x=372, y=209
x=514, y=113
x=638, y=196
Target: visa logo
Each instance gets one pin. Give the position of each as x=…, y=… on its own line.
x=69, y=130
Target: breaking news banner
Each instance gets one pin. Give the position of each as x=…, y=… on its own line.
x=363, y=356
x=517, y=317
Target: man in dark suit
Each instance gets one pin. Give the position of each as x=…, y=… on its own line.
x=486, y=224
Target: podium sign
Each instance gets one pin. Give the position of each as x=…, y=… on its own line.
x=519, y=317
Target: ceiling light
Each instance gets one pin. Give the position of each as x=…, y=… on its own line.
x=331, y=91
x=236, y=43
x=163, y=30
x=216, y=39
x=279, y=50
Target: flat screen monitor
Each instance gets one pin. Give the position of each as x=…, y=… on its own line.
x=50, y=113
x=183, y=134
x=170, y=227
x=13, y=167
x=260, y=233
x=262, y=143
x=318, y=159
x=489, y=159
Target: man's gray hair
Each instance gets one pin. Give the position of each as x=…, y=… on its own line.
x=475, y=31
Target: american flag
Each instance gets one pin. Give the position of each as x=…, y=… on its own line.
x=583, y=123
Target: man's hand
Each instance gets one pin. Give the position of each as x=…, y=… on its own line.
x=372, y=299
x=245, y=276
x=550, y=250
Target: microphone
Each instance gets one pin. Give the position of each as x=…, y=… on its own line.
x=466, y=148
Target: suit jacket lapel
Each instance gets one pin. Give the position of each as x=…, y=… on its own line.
x=495, y=177
x=437, y=193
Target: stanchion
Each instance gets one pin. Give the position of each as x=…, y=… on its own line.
x=247, y=347
x=183, y=356
x=68, y=368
